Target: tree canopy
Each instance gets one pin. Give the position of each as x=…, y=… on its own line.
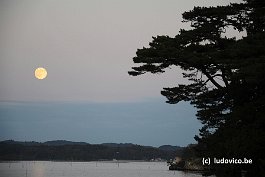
x=226, y=78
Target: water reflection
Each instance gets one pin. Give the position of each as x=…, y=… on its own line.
x=38, y=169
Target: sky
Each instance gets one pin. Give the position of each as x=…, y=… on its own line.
x=87, y=47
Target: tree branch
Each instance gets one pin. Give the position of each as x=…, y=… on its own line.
x=211, y=78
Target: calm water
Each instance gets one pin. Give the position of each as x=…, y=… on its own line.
x=90, y=169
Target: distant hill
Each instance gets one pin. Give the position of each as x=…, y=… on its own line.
x=118, y=144
x=81, y=151
x=170, y=148
x=63, y=142
x=26, y=143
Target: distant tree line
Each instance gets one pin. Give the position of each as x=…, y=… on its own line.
x=12, y=151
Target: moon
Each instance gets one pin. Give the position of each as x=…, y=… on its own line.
x=41, y=73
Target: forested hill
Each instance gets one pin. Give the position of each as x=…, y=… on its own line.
x=62, y=150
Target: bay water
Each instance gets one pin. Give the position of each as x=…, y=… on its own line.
x=89, y=169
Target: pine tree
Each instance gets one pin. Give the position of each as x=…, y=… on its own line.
x=227, y=79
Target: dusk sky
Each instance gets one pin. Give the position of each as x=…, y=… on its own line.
x=87, y=47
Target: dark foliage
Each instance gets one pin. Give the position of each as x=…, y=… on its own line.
x=227, y=79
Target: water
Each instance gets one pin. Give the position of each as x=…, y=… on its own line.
x=88, y=169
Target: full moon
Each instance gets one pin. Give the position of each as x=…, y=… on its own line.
x=40, y=73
